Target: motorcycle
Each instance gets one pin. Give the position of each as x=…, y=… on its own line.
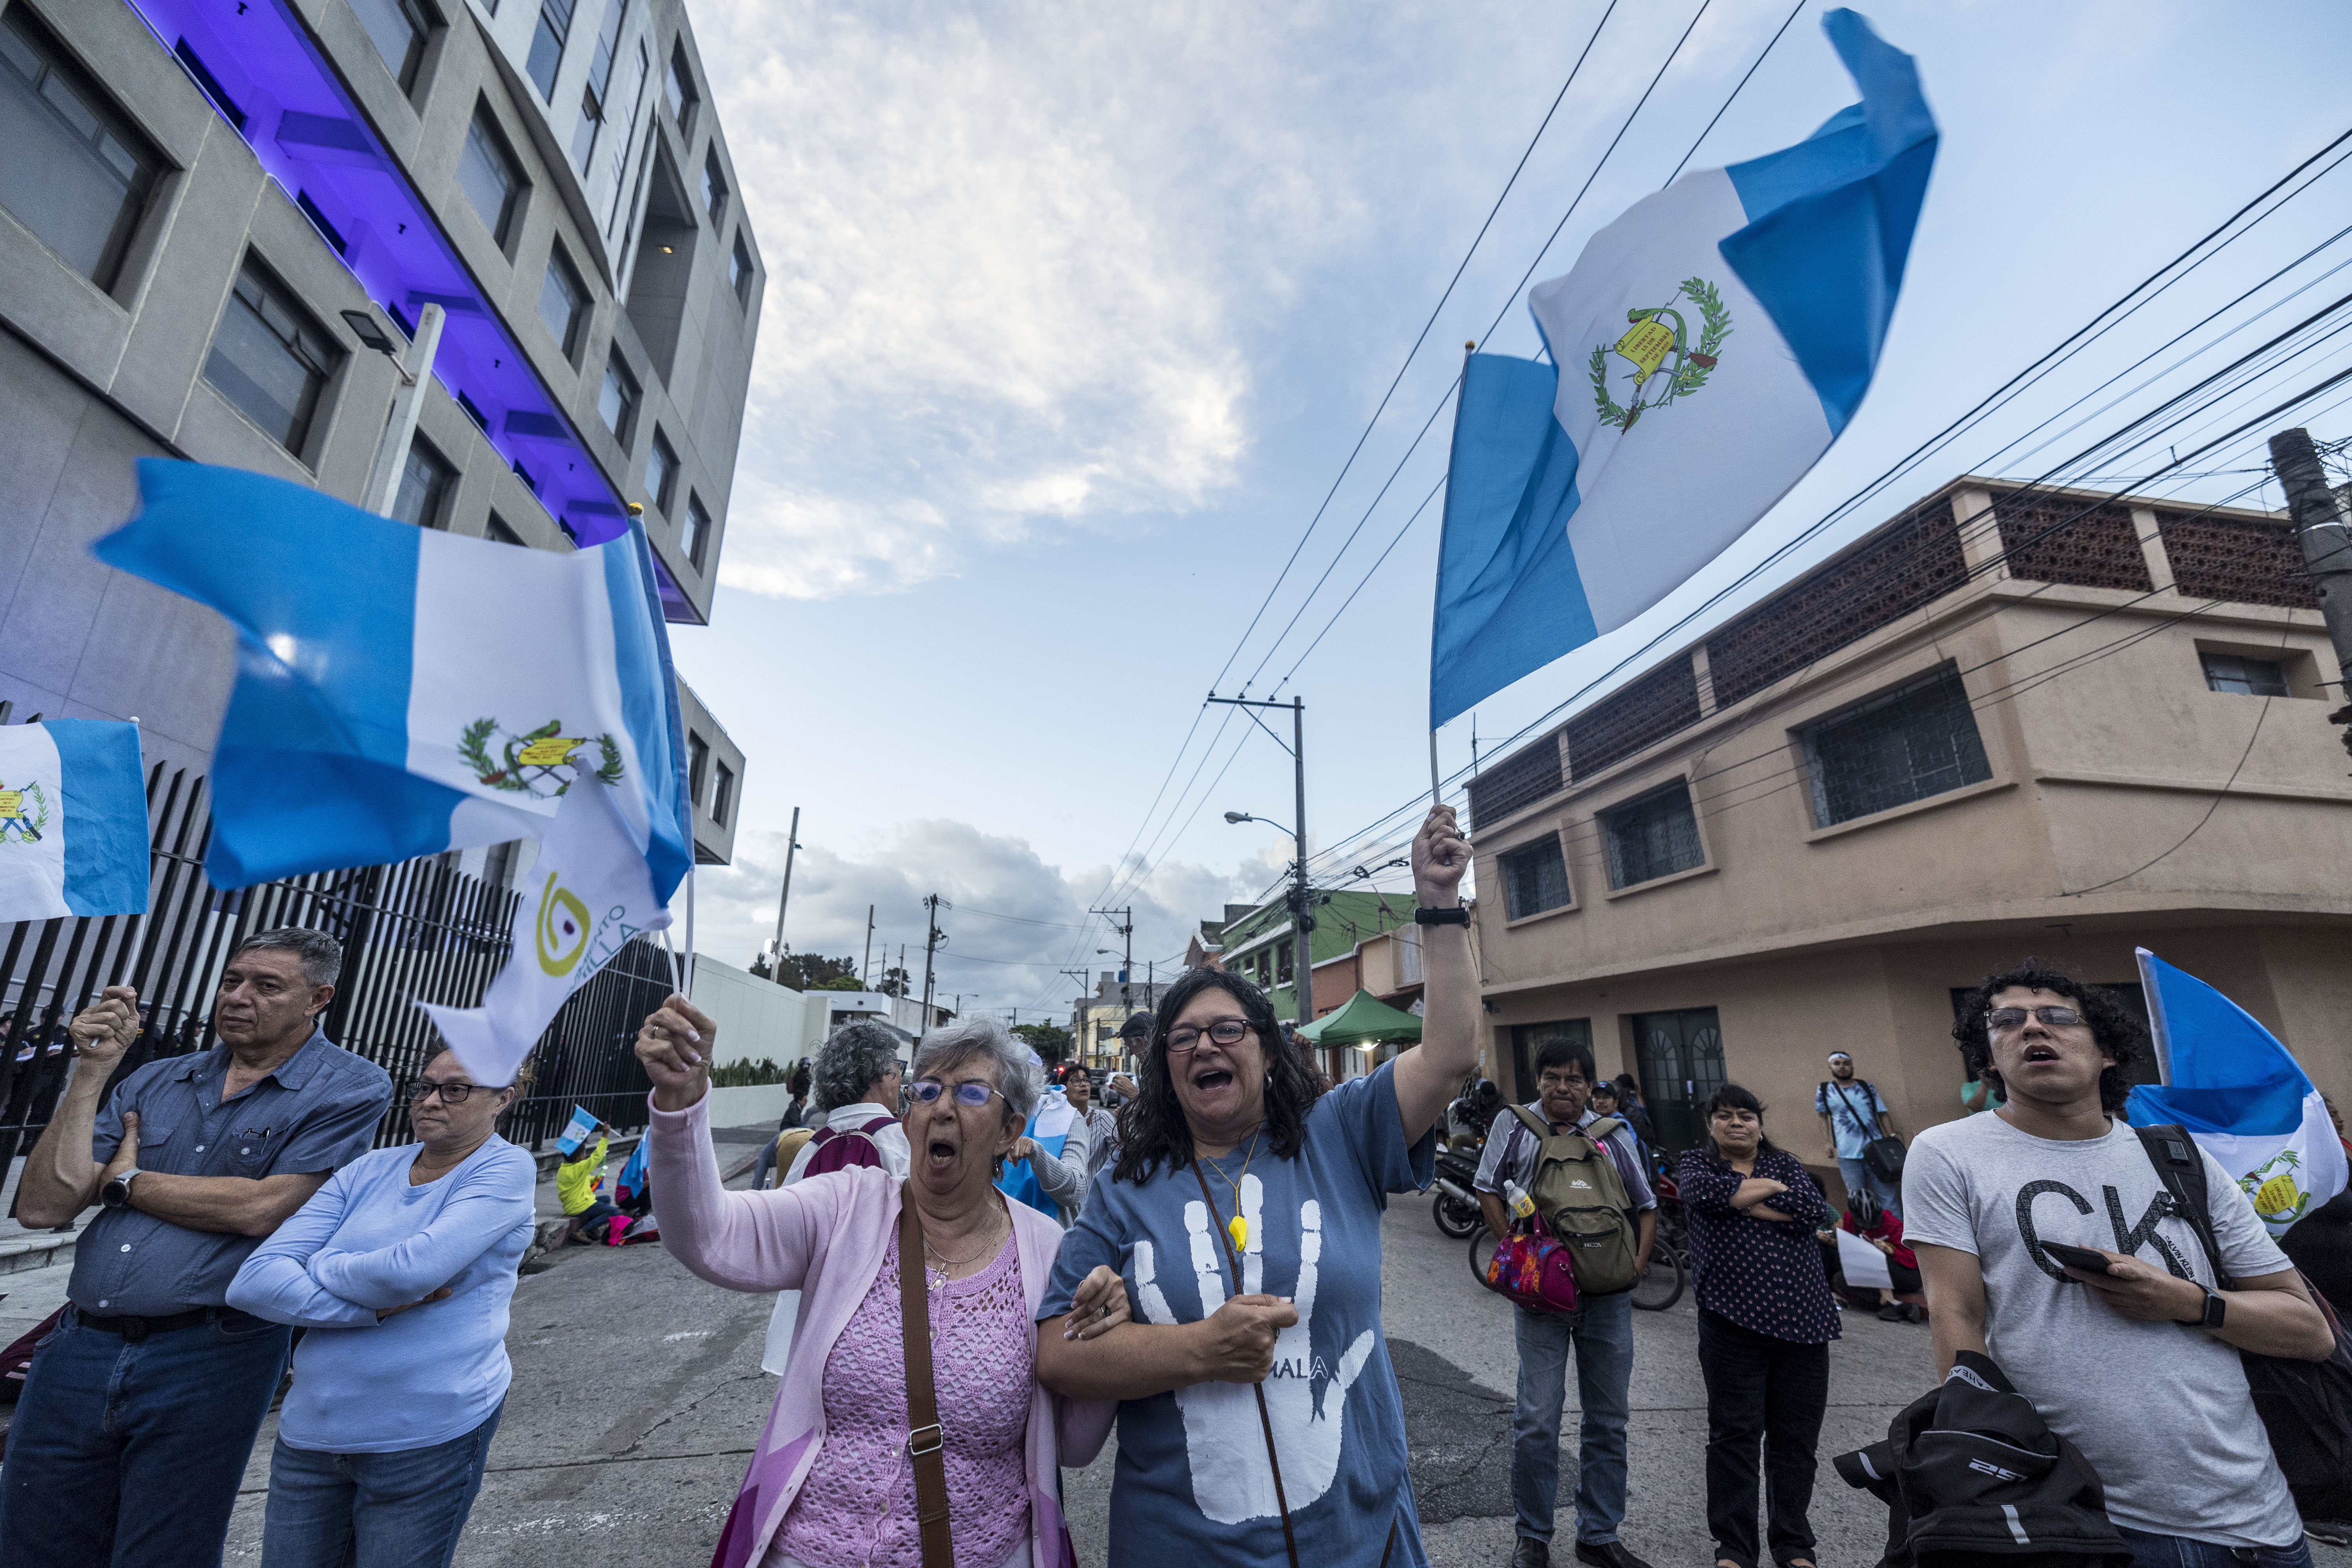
x=1455, y=1203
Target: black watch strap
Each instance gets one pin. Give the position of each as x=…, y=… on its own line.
x=1456, y=916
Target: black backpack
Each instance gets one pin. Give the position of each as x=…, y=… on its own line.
x=2306, y=1405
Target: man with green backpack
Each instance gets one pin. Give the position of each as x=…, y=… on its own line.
x=1584, y=1173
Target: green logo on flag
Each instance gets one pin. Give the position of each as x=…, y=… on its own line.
x=2277, y=1199
x=23, y=811
x=540, y=763
x=1659, y=342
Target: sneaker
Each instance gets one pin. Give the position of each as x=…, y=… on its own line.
x=1891, y=1313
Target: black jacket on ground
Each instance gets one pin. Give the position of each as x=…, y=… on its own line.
x=1969, y=1471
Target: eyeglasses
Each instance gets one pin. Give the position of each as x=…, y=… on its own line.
x=971, y=1091
x=1183, y=1038
x=450, y=1093
x=2009, y=1020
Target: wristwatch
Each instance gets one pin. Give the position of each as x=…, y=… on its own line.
x=1456, y=916
x=2216, y=1307
x=116, y=1193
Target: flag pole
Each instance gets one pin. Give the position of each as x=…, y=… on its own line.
x=1436, y=790
x=686, y=960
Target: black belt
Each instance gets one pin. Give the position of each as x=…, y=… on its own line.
x=137, y=1329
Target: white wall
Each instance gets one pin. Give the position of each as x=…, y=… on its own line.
x=759, y=1018
x=762, y=1105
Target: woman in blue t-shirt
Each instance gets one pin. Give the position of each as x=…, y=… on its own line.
x=1259, y=1417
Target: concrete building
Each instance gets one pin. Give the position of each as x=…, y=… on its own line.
x=1096, y=1019
x=1260, y=941
x=210, y=213
x=2062, y=723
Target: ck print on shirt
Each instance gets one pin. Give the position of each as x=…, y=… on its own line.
x=1306, y=1400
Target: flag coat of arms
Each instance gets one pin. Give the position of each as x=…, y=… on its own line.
x=73, y=820
x=1706, y=350
x=2240, y=1093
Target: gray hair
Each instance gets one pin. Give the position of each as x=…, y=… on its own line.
x=1018, y=1077
x=851, y=1057
x=321, y=955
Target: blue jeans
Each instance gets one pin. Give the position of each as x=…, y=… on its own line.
x=1858, y=1175
x=129, y=1452
x=401, y=1509
x=2179, y=1552
x=1602, y=1333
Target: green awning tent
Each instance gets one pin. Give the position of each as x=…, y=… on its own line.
x=1362, y=1020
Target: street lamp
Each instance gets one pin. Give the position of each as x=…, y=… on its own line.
x=1245, y=816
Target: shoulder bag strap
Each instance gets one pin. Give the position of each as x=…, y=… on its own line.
x=1850, y=1111
x=925, y=1439
x=2182, y=1171
x=1264, y=1421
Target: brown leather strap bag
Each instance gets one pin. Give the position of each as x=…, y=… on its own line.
x=925, y=1442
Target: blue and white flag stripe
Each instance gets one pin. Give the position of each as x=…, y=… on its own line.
x=2240, y=1093
x=73, y=820
x=395, y=685
x=1706, y=350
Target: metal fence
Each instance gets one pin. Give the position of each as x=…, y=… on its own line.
x=419, y=931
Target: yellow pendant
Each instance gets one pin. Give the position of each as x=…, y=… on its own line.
x=1238, y=1228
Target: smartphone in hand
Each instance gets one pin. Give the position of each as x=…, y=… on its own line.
x=2087, y=1259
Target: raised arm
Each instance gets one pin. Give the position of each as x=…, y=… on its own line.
x=491, y=1203
x=1427, y=1074
x=62, y=1174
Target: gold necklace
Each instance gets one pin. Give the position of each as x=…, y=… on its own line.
x=1238, y=1226
x=947, y=1263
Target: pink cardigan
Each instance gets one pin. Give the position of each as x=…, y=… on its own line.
x=826, y=1237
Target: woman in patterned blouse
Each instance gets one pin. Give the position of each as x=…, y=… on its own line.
x=1765, y=1321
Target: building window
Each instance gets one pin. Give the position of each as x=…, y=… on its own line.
x=400, y=28
x=738, y=271
x=714, y=187
x=1917, y=741
x=617, y=401
x=76, y=174
x=500, y=532
x=1535, y=878
x=698, y=765
x=563, y=302
x=600, y=80
x=693, y=531
x=270, y=358
x=1654, y=836
x=2246, y=677
x=661, y=472
x=425, y=481
x=491, y=177
x=723, y=796
x=678, y=86
x=547, y=45
x=1285, y=967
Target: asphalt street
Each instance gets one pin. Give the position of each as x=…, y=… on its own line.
x=637, y=1396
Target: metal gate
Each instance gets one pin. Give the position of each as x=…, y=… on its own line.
x=418, y=931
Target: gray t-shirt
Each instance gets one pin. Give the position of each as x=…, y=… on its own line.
x=2160, y=1409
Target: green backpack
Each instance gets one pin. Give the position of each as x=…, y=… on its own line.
x=1577, y=1190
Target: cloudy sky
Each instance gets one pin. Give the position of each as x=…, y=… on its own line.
x=1076, y=313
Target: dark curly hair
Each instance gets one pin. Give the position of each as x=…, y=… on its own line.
x=1153, y=1132
x=2114, y=1027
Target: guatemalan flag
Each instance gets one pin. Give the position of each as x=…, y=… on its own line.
x=402, y=691
x=1705, y=351
x=73, y=820
x=1049, y=1128
x=2240, y=1095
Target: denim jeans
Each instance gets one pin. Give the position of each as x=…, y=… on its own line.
x=129, y=1452
x=1602, y=1333
x=1760, y=1388
x=401, y=1509
x=2179, y=1552
x=1858, y=1175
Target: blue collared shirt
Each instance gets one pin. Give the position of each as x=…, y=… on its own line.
x=316, y=1110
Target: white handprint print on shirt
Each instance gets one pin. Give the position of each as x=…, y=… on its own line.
x=1305, y=1401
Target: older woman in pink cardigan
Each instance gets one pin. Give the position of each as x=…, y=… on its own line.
x=830, y=1484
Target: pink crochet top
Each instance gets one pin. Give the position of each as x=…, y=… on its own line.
x=983, y=1355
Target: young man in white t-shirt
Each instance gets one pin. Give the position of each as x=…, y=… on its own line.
x=2138, y=1364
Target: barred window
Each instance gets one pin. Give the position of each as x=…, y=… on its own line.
x=2246, y=677
x=1654, y=836
x=1535, y=878
x=1917, y=741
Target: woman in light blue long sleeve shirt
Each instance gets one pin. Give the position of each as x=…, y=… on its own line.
x=401, y=1267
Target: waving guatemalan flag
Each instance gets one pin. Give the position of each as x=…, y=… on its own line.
x=73, y=820
x=402, y=691
x=2240, y=1093
x=1706, y=350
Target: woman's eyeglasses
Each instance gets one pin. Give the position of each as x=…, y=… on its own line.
x=1183, y=1038
x=450, y=1093
x=2009, y=1020
x=972, y=1091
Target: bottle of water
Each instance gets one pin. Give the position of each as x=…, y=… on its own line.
x=1515, y=1199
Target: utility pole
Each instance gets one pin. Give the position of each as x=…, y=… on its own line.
x=1302, y=907
x=1078, y=1014
x=792, y=843
x=2319, y=527
x=931, y=941
x=1127, y=958
x=867, y=962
